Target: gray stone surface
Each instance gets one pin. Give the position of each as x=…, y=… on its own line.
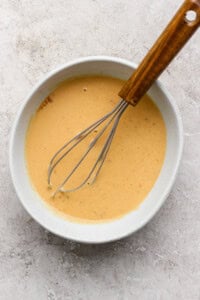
x=161, y=261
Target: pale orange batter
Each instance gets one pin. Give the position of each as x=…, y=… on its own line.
x=133, y=162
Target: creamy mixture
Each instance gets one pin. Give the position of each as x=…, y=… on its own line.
x=133, y=162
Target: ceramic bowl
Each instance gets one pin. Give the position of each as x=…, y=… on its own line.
x=128, y=224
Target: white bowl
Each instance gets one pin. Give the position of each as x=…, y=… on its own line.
x=116, y=229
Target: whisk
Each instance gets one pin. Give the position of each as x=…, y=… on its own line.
x=174, y=37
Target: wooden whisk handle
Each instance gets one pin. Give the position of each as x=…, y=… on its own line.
x=174, y=37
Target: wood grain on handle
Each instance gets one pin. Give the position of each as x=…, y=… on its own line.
x=174, y=37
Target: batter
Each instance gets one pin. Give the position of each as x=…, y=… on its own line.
x=133, y=163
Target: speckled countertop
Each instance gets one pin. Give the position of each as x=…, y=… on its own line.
x=161, y=261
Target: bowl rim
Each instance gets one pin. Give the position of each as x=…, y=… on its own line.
x=170, y=183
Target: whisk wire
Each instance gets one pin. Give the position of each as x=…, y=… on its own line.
x=77, y=139
x=115, y=115
x=107, y=145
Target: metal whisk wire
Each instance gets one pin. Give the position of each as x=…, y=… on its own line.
x=113, y=116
